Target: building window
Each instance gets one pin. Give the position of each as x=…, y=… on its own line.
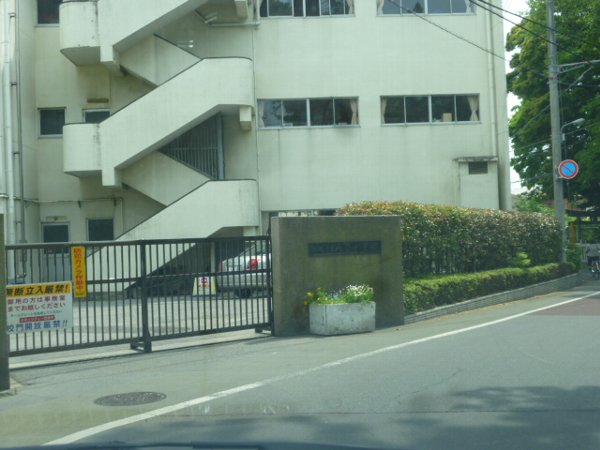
x=455, y=108
x=100, y=230
x=306, y=8
x=314, y=112
x=430, y=108
x=294, y=113
x=52, y=121
x=425, y=7
x=55, y=232
x=47, y=11
x=417, y=109
x=95, y=115
x=334, y=111
x=478, y=167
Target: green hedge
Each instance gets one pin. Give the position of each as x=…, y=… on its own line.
x=427, y=293
x=447, y=240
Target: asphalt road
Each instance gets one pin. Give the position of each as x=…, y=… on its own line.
x=521, y=375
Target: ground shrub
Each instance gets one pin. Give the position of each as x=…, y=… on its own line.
x=448, y=240
x=427, y=293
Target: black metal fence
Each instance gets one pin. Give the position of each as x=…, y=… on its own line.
x=201, y=148
x=137, y=292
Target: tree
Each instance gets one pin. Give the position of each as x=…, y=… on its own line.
x=578, y=40
x=531, y=202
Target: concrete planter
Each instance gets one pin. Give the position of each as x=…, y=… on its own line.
x=346, y=318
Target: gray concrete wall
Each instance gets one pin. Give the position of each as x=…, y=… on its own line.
x=4, y=378
x=332, y=253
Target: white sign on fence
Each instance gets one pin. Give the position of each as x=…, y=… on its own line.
x=205, y=285
x=39, y=307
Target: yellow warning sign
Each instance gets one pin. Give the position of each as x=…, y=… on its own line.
x=79, y=272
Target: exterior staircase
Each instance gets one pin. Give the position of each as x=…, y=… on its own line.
x=140, y=145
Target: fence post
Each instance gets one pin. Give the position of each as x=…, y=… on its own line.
x=269, y=284
x=145, y=327
x=4, y=376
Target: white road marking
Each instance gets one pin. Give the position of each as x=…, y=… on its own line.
x=247, y=387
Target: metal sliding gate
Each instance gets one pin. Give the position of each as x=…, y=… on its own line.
x=140, y=291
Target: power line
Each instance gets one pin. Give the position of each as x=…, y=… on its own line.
x=547, y=141
x=518, y=25
x=527, y=69
x=533, y=33
x=458, y=36
x=535, y=22
x=578, y=83
x=462, y=38
x=570, y=86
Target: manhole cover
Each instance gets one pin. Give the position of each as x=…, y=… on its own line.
x=130, y=398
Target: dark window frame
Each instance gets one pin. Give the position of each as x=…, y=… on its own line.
x=103, y=113
x=47, y=128
x=410, y=7
x=414, y=115
x=48, y=226
x=105, y=236
x=305, y=8
x=459, y=113
x=478, y=167
x=48, y=12
x=340, y=116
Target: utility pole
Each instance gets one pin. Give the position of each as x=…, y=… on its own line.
x=4, y=350
x=553, y=71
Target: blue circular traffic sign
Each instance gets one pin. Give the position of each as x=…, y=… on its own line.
x=568, y=169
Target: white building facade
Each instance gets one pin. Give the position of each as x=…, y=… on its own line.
x=146, y=119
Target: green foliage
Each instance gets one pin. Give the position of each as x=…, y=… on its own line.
x=427, y=293
x=578, y=39
x=447, y=240
x=574, y=255
x=350, y=294
x=531, y=202
x=521, y=260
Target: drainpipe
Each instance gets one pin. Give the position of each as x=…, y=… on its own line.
x=8, y=137
x=494, y=106
x=19, y=152
x=4, y=49
x=261, y=225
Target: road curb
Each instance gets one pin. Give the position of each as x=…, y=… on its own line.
x=119, y=351
x=546, y=287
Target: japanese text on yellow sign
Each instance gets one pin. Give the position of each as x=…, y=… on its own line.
x=39, y=307
x=79, y=273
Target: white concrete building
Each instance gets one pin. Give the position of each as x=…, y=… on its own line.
x=188, y=118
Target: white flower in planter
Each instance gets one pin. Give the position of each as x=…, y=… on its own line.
x=350, y=310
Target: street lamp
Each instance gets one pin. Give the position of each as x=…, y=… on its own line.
x=576, y=122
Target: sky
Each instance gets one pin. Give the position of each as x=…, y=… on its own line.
x=519, y=7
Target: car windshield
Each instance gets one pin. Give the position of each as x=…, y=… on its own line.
x=300, y=224
x=255, y=248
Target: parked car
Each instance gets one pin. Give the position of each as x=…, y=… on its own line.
x=247, y=273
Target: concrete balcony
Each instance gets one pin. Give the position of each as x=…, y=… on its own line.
x=162, y=178
x=147, y=124
x=203, y=212
x=79, y=34
x=156, y=61
x=98, y=31
x=81, y=151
